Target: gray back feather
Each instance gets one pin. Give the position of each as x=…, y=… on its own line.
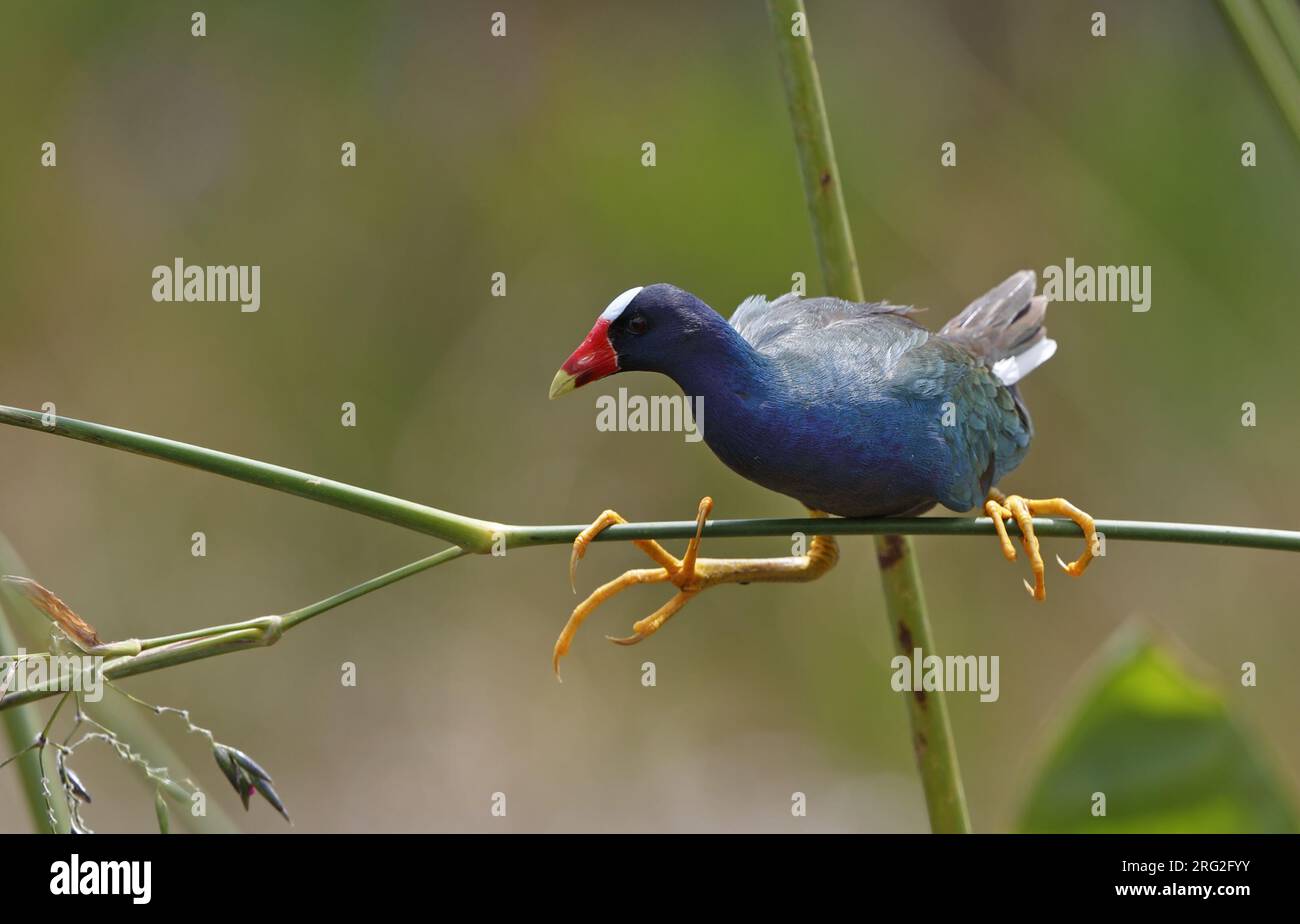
x=766, y=324
x=1003, y=329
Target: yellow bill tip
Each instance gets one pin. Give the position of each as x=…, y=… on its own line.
x=562, y=383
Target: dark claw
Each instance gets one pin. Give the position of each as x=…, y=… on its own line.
x=629, y=640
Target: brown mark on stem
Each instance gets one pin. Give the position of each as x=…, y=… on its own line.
x=905, y=646
x=891, y=552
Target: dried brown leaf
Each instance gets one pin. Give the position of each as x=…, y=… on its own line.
x=81, y=632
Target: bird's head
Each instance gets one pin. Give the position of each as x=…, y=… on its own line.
x=645, y=329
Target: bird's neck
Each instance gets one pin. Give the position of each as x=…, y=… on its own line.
x=723, y=370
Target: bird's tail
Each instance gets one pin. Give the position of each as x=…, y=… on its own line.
x=1005, y=326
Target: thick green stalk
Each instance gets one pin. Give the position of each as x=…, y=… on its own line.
x=936, y=755
x=467, y=532
x=1265, y=47
x=812, y=139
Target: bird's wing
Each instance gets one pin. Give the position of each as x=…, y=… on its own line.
x=876, y=353
x=789, y=322
x=963, y=405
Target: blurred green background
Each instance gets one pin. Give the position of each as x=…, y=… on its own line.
x=523, y=155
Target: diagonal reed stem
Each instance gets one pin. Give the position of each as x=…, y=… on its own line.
x=469, y=533
x=1271, y=50
x=936, y=754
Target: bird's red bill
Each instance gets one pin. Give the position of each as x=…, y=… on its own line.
x=593, y=359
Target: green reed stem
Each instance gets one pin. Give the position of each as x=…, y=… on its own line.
x=936, y=754
x=467, y=532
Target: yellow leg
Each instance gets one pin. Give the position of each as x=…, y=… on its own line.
x=1000, y=508
x=690, y=575
x=599, y=596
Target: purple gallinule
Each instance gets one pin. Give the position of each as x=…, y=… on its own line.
x=853, y=409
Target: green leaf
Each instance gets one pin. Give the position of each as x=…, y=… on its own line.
x=1162, y=748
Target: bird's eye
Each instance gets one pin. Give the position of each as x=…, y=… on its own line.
x=637, y=324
